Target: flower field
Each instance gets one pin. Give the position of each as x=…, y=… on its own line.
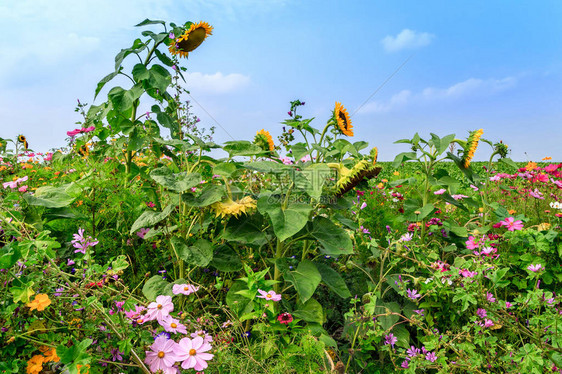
x=145, y=247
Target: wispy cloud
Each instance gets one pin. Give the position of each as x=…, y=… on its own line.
x=406, y=39
x=468, y=88
x=217, y=83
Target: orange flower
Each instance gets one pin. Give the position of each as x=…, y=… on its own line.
x=40, y=302
x=49, y=353
x=87, y=368
x=512, y=211
x=531, y=166
x=547, y=158
x=35, y=364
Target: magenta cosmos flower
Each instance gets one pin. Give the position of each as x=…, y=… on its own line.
x=512, y=224
x=193, y=353
x=160, y=309
x=184, y=289
x=162, y=357
x=271, y=295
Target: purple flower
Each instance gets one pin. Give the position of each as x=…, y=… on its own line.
x=413, y=351
x=508, y=305
x=116, y=355
x=419, y=311
x=535, y=268
x=413, y=294
x=481, y=313
x=142, y=232
x=405, y=364
x=490, y=297
x=390, y=339
x=431, y=357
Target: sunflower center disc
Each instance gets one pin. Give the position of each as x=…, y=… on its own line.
x=193, y=41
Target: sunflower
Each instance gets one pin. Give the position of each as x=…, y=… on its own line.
x=264, y=140
x=343, y=120
x=190, y=39
x=23, y=140
x=234, y=208
x=349, y=178
x=470, y=147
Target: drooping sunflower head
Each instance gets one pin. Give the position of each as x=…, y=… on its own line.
x=501, y=149
x=190, y=39
x=21, y=138
x=349, y=178
x=470, y=147
x=234, y=208
x=264, y=140
x=343, y=120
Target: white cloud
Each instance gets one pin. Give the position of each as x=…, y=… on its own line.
x=217, y=83
x=469, y=88
x=406, y=39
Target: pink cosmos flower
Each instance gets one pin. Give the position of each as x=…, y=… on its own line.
x=193, y=353
x=163, y=356
x=11, y=184
x=305, y=158
x=271, y=295
x=142, y=232
x=535, y=268
x=173, y=325
x=557, y=183
x=160, y=308
x=472, y=243
x=440, y=191
x=459, y=196
x=512, y=224
x=73, y=133
x=488, y=251
x=467, y=274
x=286, y=160
x=184, y=289
x=536, y=194
x=136, y=314
x=203, y=334
x=23, y=188
x=48, y=156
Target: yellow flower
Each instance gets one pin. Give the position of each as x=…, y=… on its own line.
x=40, y=302
x=343, y=120
x=380, y=186
x=234, y=208
x=543, y=226
x=35, y=364
x=470, y=147
x=512, y=211
x=531, y=166
x=191, y=39
x=264, y=140
x=396, y=173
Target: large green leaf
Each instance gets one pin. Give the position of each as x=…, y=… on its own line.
x=177, y=182
x=311, y=179
x=226, y=259
x=199, y=254
x=266, y=166
x=244, y=230
x=154, y=287
x=151, y=218
x=241, y=148
x=305, y=279
x=9, y=256
x=311, y=311
x=333, y=239
x=286, y=222
x=210, y=194
x=333, y=280
x=50, y=197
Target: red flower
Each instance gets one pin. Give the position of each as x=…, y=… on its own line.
x=285, y=318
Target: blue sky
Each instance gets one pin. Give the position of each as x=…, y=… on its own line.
x=479, y=64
